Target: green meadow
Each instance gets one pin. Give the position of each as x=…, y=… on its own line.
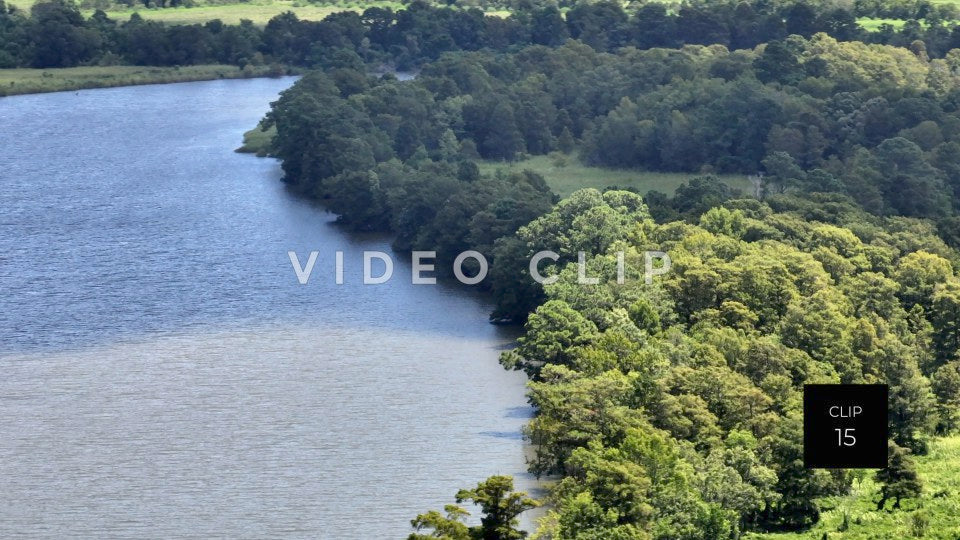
x=565, y=174
x=257, y=141
x=564, y=178
x=31, y=81
x=257, y=11
x=875, y=24
x=22, y=4
x=260, y=11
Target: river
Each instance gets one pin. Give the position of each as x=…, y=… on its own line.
x=164, y=374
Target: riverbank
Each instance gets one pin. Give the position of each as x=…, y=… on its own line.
x=258, y=141
x=36, y=81
x=198, y=377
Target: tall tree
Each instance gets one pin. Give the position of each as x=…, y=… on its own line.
x=899, y=479
x=499, y=506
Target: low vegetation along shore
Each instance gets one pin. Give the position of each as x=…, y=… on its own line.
x=33, y=81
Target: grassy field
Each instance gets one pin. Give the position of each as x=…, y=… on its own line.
x=874, y=24
x=940, y=473
x=22, y=4
x=31, y=81
x=261, y=11
x=564, y=180
x=257, y=142
x=258, y=11
x=572, y=176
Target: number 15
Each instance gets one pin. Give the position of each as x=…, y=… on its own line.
x=845, y=437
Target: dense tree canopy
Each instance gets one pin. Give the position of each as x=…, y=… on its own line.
x=398, y=156
x=874, y=122
x=704, y=369
x=55, y=34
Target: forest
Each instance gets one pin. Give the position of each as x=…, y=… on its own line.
x=55, y=33
x=400, y=156
x=672, y=410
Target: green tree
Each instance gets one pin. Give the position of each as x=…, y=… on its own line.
x=566, y=142
x=946, y=386
x=912, y=186
x=447, y=526
x=784, y=169
x=918, y=274
x=899, y=479
x=547, y=27
x=550, y=334
x=61, y=37
x=777, y=63
x=945, y=318
x=912, y=412
x=499, y=506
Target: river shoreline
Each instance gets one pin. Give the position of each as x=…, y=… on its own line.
x=176, y=380
x=21, y=81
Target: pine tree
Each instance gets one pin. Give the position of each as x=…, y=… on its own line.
x=449, y=146
x=565, y=142
x=503, y=140
x=900, y=479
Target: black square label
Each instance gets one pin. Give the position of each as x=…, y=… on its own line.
x=845, y=426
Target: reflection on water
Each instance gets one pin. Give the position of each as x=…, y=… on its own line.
x=164, y=374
